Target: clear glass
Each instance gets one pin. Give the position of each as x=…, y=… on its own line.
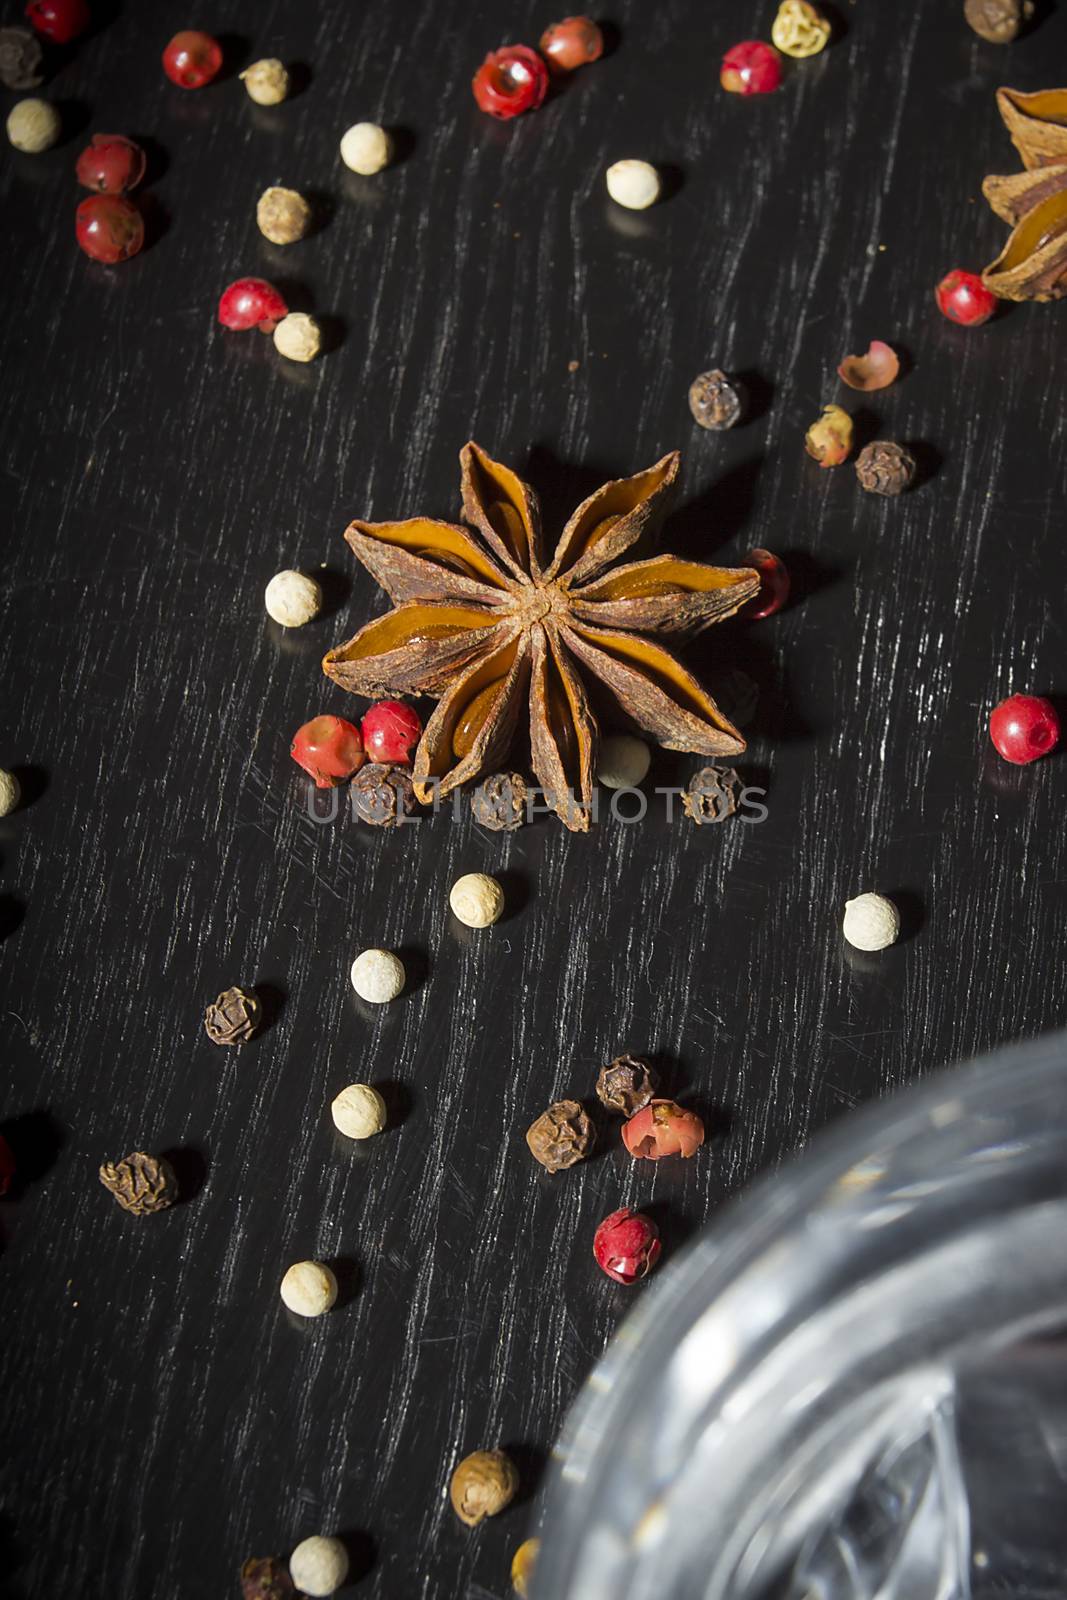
x=854, y=1385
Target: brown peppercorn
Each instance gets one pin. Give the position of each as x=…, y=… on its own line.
x=561, y=1136
x=20, y=58
x=483, y=1484
x=283, y=215
x=382, y=796
x=500, y=802
x=625, y=1085
x=884, y=467
x=999, y=21
x=266, y=1578
x=234, y=1017
x=711, y=795
x=715, y=400
x=141, y=1183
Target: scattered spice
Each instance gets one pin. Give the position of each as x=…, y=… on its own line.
x=329, y=749
x=366, y=148
x=711, y=795
x=962, y=297
x=319, y=1565
x=510, y=81
x=292, y=599
x=20, y=59
x=883, y=467
x=192, y=59
x=378, y=976
x=500, y=802
x=33, y=126
x=391, y=729
x=1037, y=123
x=382, y=796
x=999, y=21
x=251, y=303
x=477, y=900
x=10, y=792
x=774, y=583
x=751, y=67
x=633, y=184
x=111, y=164
x=622, y=761
x=715, y=400
x=266, y=1578
x=59, y=20
x=142, y=1184
x=309, y=1289
x=871, y=922
x=572, y=43
x=234, y=1017
x=298, y=337
x=626, y=1085
x=358, y=1111
x=876, y=370
x=626, y=1245
x=1033, y=263
x=829, y=441
x=467, y=627
x=663, y=1128
x=561, y=1136
x=482, y=1485
x=799, y=30
x=1024, y=727
x=266, y=81
x=282, y=215
x=109, y=228
x=522, y=1566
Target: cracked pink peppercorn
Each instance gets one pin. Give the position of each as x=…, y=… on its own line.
x=663, y=1128
x=626, y=1245
x=751, y=67
x=251, y=303
x=391, y=729
x=329, y=749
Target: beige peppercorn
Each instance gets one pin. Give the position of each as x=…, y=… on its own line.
x=366, y=148
x=33, y=126
x=266, y=81
x=309, y=1288
x=477, y=900
x=298, y=337
x=283, y=215
x=292, y=599
x=482, y=1485
x=10, y=792
x=358, y=1111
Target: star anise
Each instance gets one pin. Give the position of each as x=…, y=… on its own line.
x=483, y=622
x=1033, y=263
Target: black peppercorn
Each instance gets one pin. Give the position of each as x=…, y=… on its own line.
x=999, y=21
x=884, y=467
x=20, y=59
x=561, y=1136
x=141, y=1183
x=500, y=802
x=266, y=1578
x=711, y=795
x=382, y=796
x=715, y=400
x=625, y=1085
x=234, y=1017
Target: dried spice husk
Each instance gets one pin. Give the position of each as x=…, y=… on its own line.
x=500, y=802
x=829, y=440
x=142, y=1184
x=711, y=795
x=1013, y=196
x=1033, y=263
x=1037, y=123
x=267, y=1578
x=234, y=1017
x=716, y=401
x=561, y=1136
x=382, y=796
x=21, y=57
x=497, y=634
x=626, y=1085
x=876, y=370
x=482, y=1485
x=998, y=21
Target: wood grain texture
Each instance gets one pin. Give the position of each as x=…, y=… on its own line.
x=163, y=1417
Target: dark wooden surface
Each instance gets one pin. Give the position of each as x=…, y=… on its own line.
x=162, y=1416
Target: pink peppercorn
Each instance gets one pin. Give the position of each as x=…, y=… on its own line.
x=774, y=584
x=751, y=67
x=510, y=81
x=962, y=297
x=663, y=1128
x=329, y=749
x=391, y=729
x=251, y=303
x=1024, y=727
x=626, y=1245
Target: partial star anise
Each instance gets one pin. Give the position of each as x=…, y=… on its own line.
x=482, y=622
x=1033, y=263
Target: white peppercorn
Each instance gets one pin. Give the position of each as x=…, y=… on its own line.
x=33, y=126
x=366, y=148
x=319, y=1565
x=267, y=81
x=298, y=337
x=292, y=598
x=623, y=761
x=10, y=792
x=309, y=1288
x=477, y=900
x=634, y=184
x=282, y=215
x=358, y=1111
x=378, y=976
x=871, y=922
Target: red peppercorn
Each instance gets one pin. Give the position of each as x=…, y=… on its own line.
x=774, y=584
x=112, y=164
x=1024, y=727
x=391, y=729
x=192, y=59
x=329, y=749
x=251, y=303
x=7, y=1165
x=510, y=81
x=572, y=43
x=663, y=1128
x=751, y=67
x=626, y=1245
x=59, y=20
x=962, y=297
x=109, y=228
